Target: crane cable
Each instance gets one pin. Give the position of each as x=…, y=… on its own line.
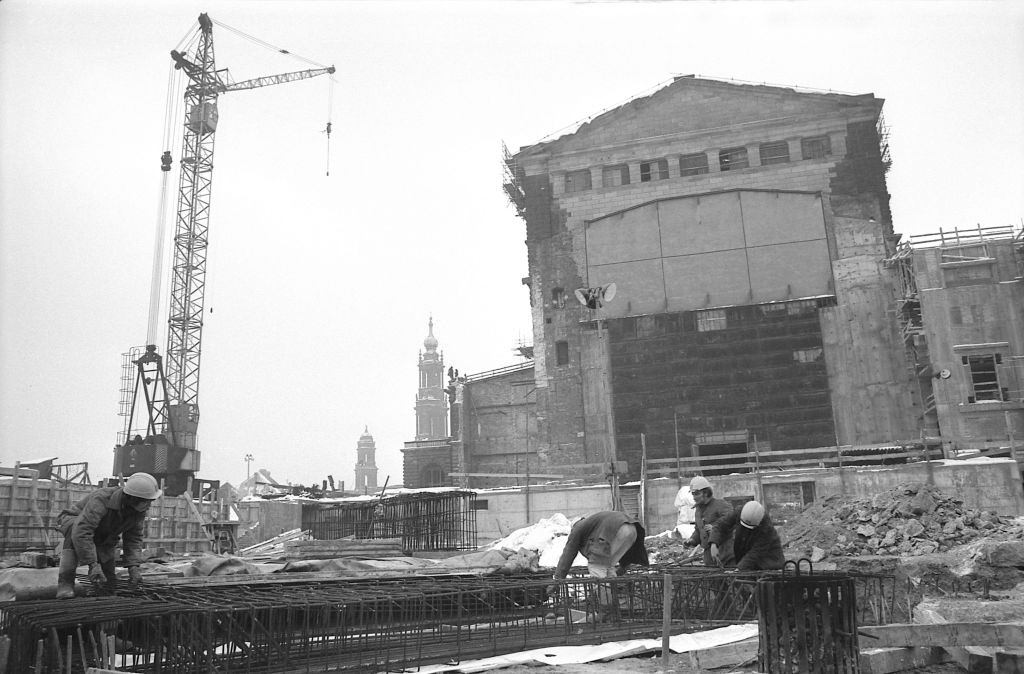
x=267, y=45
x=172, y=115
x=327, y=130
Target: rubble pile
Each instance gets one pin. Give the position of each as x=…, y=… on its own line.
x=909, y=520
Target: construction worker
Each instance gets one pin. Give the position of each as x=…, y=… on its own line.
x=610, y=540
x=93, y=526
x=708, y=510
x=756, y=544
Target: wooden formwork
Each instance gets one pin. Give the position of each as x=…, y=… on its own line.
x=29, y=507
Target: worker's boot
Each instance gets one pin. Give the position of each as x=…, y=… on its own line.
x=66, y=574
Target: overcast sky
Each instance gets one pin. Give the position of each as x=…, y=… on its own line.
x=319, y=288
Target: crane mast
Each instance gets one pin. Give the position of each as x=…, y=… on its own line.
x=167, y=388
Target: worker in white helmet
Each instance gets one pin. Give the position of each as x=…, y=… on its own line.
x=93, y=526
x=708, y=510
x=756, y=544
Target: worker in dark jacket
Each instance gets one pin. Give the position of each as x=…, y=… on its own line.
x=708, y=511
x=610, y=540
x=93, y=526
x=756, y=543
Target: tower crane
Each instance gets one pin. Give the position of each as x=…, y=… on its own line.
x=162, y=405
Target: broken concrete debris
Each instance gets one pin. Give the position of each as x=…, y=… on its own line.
x=909, y=520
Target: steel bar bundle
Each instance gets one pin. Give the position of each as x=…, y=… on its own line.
x=357, y=625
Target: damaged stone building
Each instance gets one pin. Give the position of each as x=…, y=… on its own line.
x=763, y=300
x=746, y=230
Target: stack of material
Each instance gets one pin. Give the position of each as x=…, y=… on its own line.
x=909, y=520
x=366, y=548
x=274, y=547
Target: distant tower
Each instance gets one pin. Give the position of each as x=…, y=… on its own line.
x=431, y=405
x=366, y=466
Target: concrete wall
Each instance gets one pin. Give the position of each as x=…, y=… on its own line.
x=990, y=485
x=262, y=520
x=974, y=316
x=499, y=415
x=712, y=250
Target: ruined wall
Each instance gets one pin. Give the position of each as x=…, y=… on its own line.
x=500, y=416
x=872, y=386
x=605, y=168
x=972, y=304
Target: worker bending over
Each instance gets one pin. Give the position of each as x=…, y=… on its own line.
x=610, y=540
x=756, y=543
x=708, y=512
x=93, y=526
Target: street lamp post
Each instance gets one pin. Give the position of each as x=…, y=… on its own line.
x=594, y=299
x=248, y=460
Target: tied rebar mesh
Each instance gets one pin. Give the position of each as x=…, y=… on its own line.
x=273, y=623
x=423, y=521
x=808, y=623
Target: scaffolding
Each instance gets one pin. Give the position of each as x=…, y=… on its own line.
x=371, y=625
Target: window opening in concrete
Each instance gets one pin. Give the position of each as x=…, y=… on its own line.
x=616, y=175
x=965, y=253
x=774, y=153
x=561, y=353
x=577, y=181
x=801, y=307
x=807, y=355
x=711, y=319
x=558, y=298
x=693, y=164
x=984, y=377
x=773, y=309
x=478, y=504
x=654, y=170
x=817, y=147
x=733, y=159
x=968, y=275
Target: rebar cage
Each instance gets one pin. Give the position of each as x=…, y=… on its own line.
x=276, y=623
x=424, y=521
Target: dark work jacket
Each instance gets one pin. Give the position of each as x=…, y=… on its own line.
x=711, y=513
x=755, y=549
x=597, y=530
x=97, y=521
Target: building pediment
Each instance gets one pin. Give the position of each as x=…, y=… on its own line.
x=689, y=106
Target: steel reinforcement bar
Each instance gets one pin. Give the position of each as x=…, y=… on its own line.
x=367, y=625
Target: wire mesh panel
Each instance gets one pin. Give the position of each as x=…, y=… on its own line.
x=423, y=521
x=808, y=624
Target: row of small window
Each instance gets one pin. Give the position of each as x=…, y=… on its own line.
x=709, y=320
x=730, y=159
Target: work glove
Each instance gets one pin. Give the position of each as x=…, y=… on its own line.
x=134, y=576
x=714, y=554
x=96, y=575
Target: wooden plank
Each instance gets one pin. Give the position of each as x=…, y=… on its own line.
x=889, y=660
x=727, y=655
x=948, y=635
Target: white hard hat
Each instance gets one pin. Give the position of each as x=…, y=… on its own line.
x=698, y=483
x=752, y=514
x=142, y=485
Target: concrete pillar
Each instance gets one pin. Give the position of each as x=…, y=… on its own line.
x=673, y=165
x=795, y=153
x=713, y=165
x=557, y=183
x=596, y=177
x=634, y=173
x=754, y=155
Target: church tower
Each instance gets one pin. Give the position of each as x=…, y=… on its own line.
x=431, y=406
x=366, y=466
